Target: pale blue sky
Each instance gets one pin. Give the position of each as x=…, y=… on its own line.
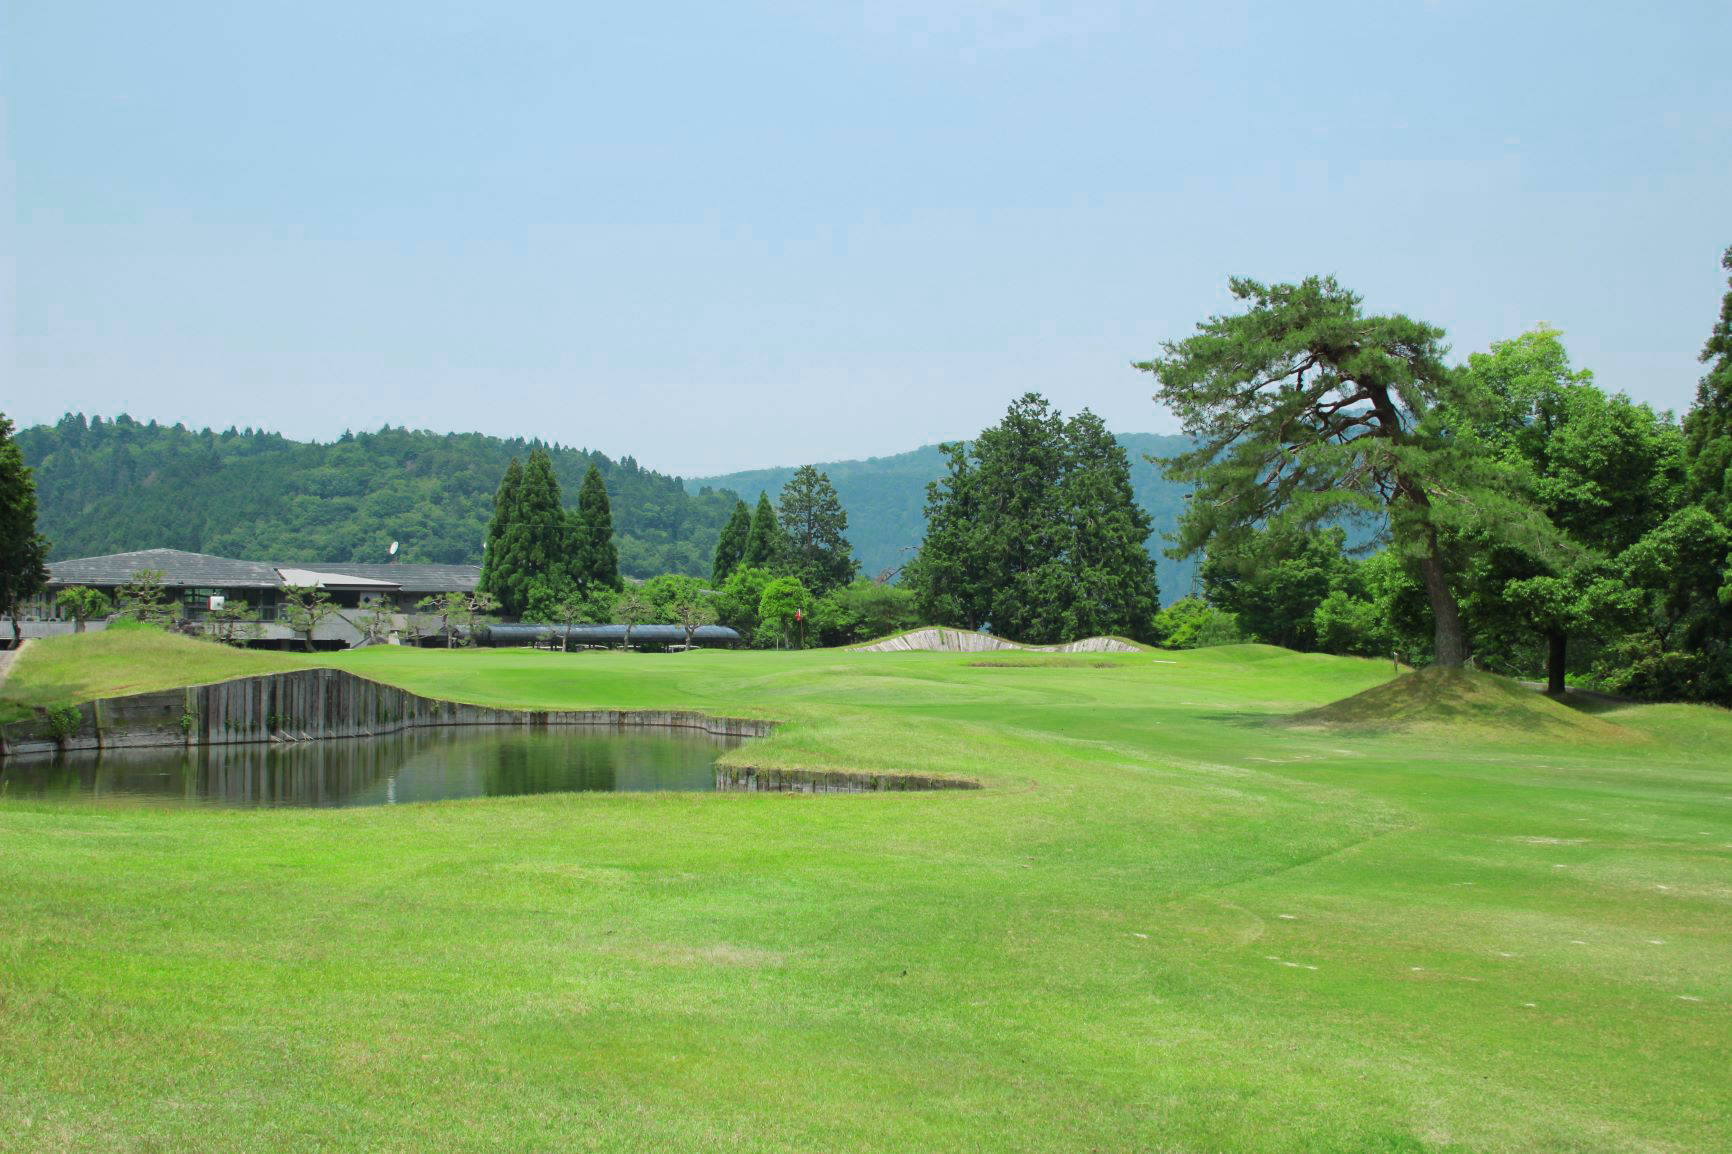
x=720, y=236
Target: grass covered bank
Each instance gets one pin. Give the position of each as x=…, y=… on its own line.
x=1172, y=923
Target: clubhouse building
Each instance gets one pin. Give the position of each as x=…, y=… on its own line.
x=196, y=583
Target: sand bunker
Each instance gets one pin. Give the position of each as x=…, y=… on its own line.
x=938, y=640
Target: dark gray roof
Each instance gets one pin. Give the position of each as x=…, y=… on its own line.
x=412, y=578
x=177, y=566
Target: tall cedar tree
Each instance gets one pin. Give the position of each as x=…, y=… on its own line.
x=534, y=544
x=948, y=574
x=1034, y=531
x=595, y=560
x=764, y=540
x=497, y=574
x=814, y=525
x=1107, y=537
x=23, y=551
x=1306, y=410
x=1708, y=426
x=731, y=546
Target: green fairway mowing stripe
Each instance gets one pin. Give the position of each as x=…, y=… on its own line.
x=1171, y=922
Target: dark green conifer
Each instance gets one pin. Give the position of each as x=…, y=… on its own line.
x=23, y=551
x=813, y=525
x=533, y=544
x=731, y=547
x=497, y=570
x=595, y=557
x=764, y=541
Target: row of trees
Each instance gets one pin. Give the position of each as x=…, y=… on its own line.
x=542, y=560
x=1034, y=533
x=803, y=536
x=783, y=575
x=1527, y=517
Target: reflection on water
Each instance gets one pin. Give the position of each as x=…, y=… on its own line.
x=415, y=765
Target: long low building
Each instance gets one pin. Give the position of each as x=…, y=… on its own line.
x=198, y=582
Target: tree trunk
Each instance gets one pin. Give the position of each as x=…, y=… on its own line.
x=1557, y=648
x=17, y=630
x=1450, y=639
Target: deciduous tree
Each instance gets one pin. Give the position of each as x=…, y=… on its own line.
x=457, y=612
x=631, y=609
x=1603, y=470
x=1708, y=427
x=692, y=614
x=782, y=606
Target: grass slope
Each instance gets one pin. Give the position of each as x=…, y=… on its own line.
x=1453, y=701
x=1168, y=925
x=112, y=663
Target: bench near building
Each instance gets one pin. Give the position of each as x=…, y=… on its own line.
x=193, y=581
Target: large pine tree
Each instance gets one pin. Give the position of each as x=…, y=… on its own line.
x=731, y=546
x=595, y=557
x=1305, y=410
x=23, y=551
x=814, y=527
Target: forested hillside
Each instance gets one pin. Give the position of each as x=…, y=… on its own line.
x=110, y=485
x=886, y=500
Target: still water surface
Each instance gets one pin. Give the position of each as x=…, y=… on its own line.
x=416, y=765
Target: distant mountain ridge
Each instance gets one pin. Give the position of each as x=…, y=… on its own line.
x=886, y=501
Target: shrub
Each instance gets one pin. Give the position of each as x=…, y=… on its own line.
x=1191, y=623
x=63, y=722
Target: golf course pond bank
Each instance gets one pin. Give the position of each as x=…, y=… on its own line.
x=318, y=737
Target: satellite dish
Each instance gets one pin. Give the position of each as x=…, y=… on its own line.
x=393, y=548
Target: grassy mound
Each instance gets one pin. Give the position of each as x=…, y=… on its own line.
x=1459, y=702
x=110, y=663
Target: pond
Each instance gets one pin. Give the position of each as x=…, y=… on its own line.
x=415, y=765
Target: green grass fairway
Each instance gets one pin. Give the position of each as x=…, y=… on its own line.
x=1174, y=921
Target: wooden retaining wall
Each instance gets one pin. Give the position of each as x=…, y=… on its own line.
x=310, y=705
x=319, y=704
